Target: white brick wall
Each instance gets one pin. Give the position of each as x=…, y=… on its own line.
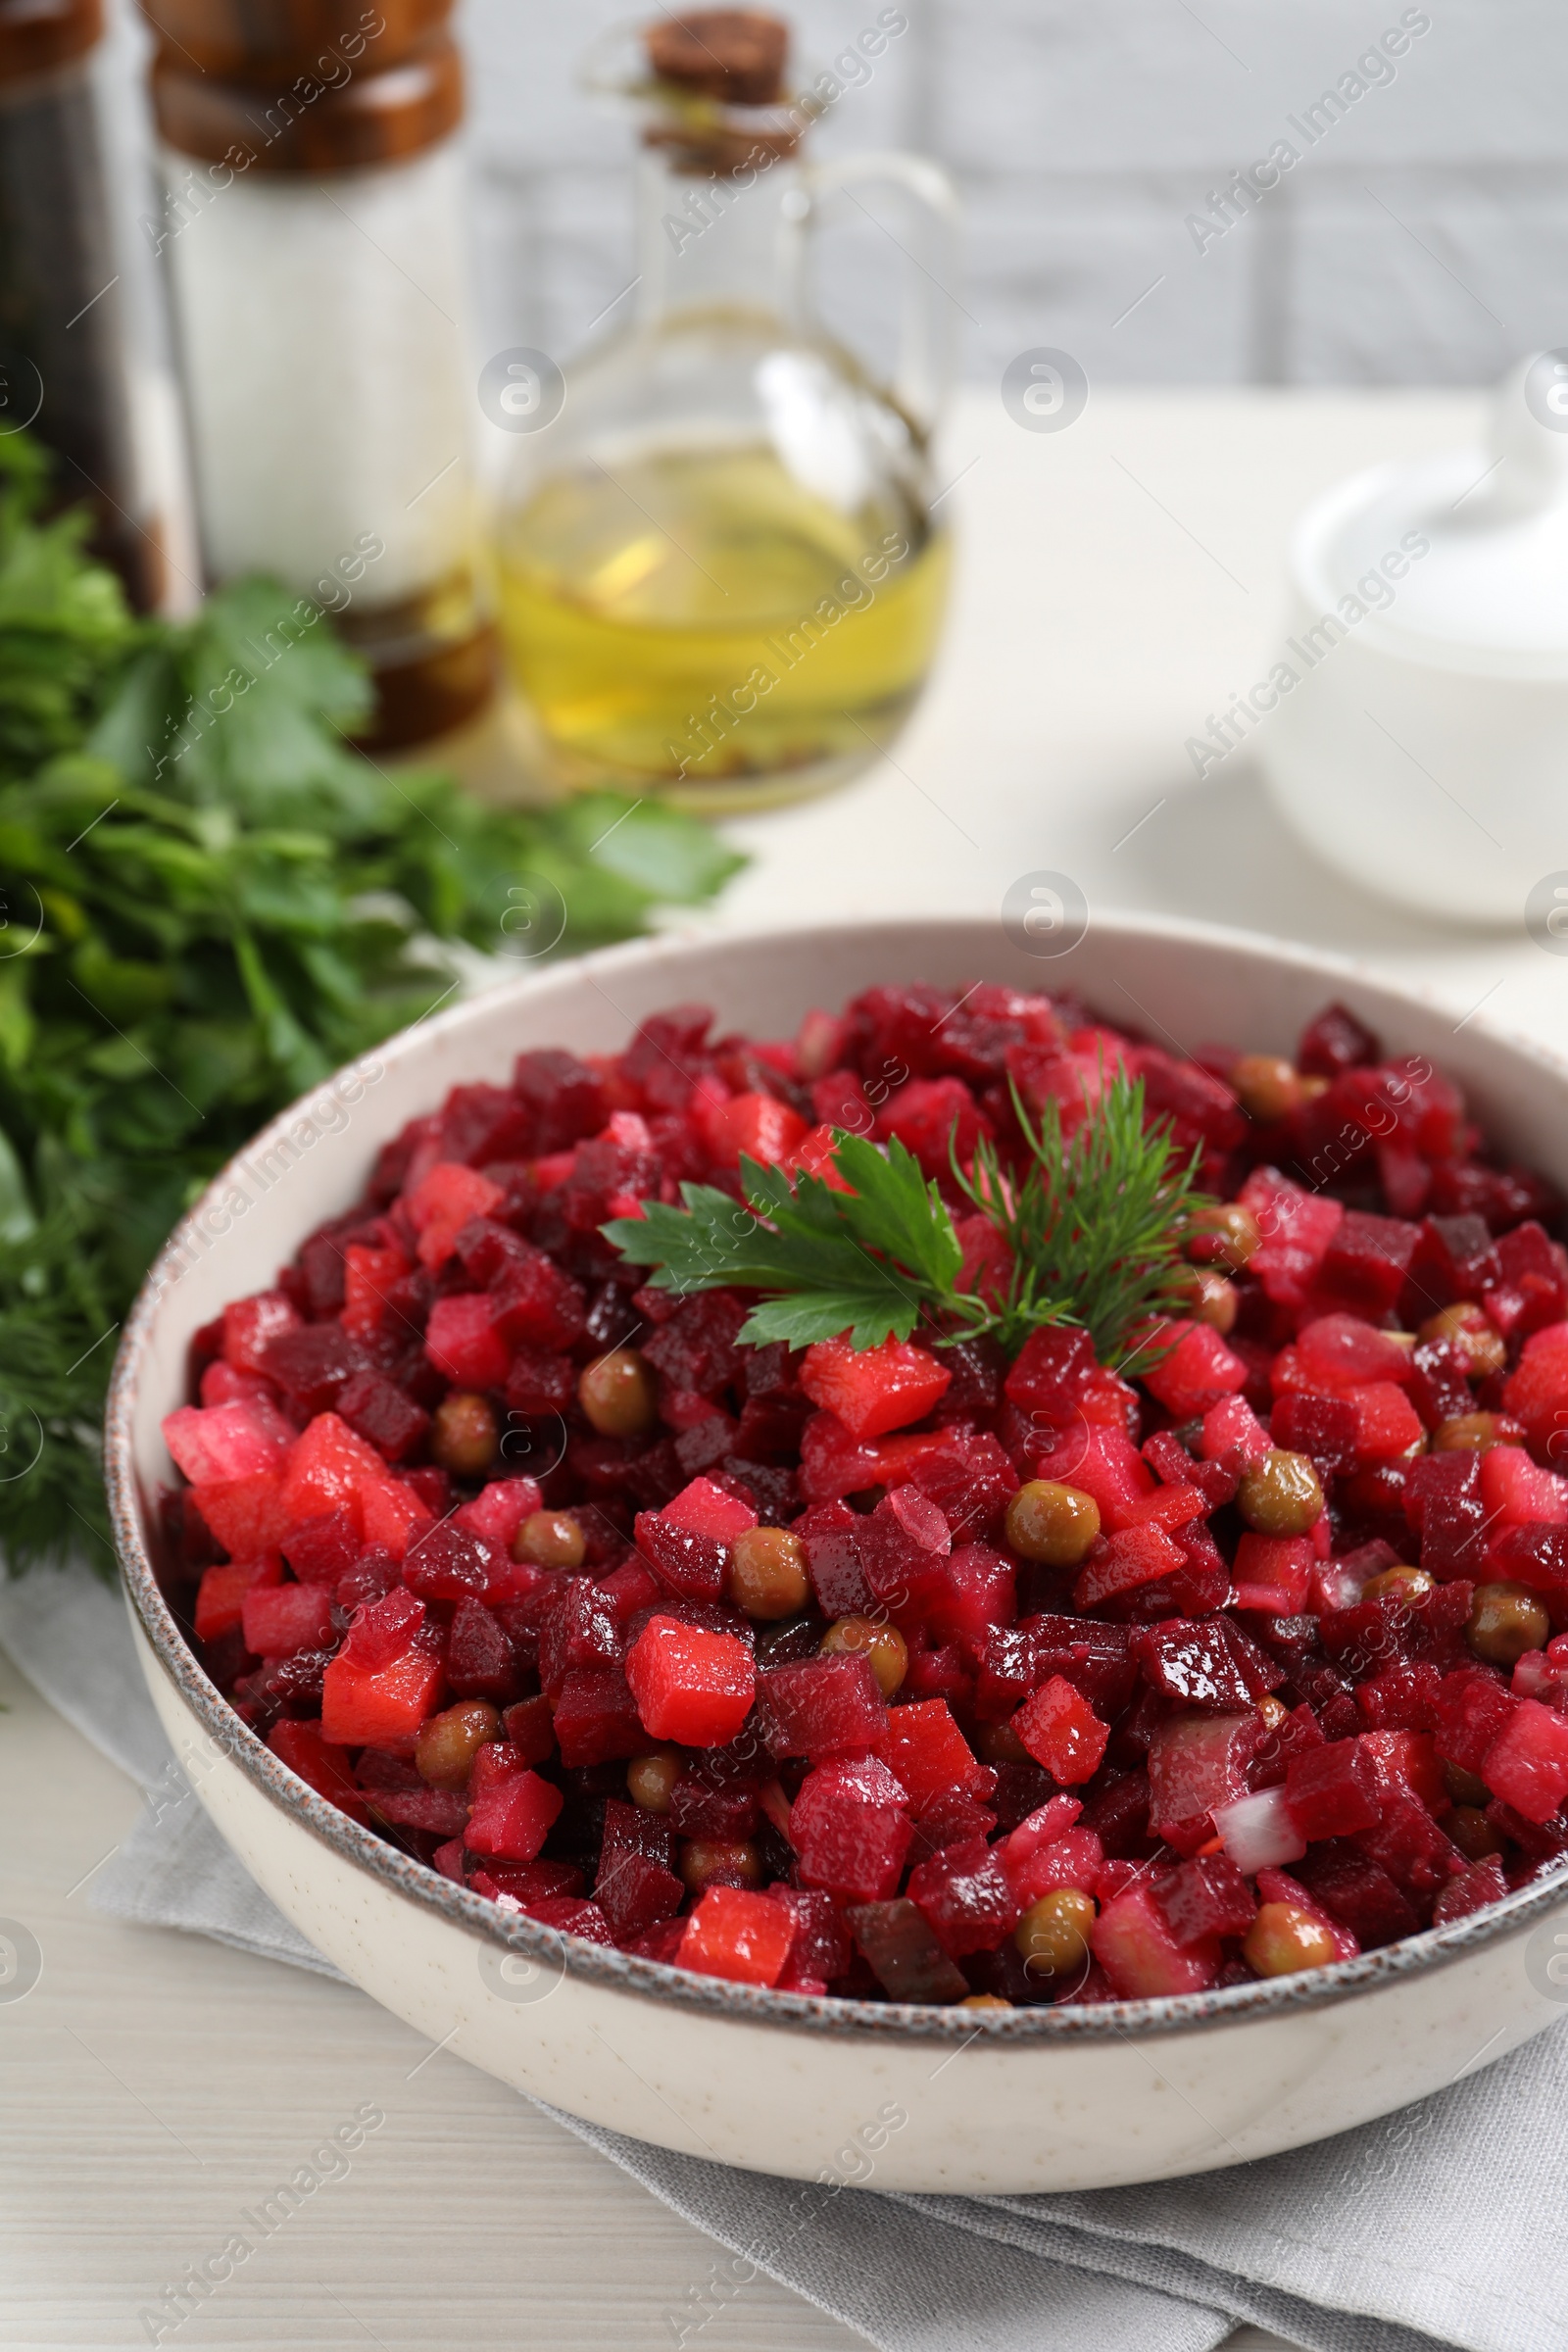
x=1424, y=238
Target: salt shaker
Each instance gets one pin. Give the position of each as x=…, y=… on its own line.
x=311, y=232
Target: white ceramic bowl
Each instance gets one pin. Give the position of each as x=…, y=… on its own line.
x=946, y=2100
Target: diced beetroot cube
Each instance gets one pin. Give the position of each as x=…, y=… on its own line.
x=1054, y=1368
x=690, y=1686
x=440, y=1812
x=927, y=1754
x=446, y=1563
x=1527, y=1763
x=830, y=1533
x=821, y=1949
x=321, y=1550
x=935, y=1118
x=378, y=1707
x=1296, y=1227
x=1141, y=1956
x=901, y=1947
x=1278, y=1565
x=734, y=1933
x=904, y=1546
x=377, y=1410
x=1062, y=1732
x=563, y=1098
x=1137, y=1555
x=226, y=1440
x=1074, y=1859
x=1414, y=1851
x=682, y=1558
x=1454, y=1529
x=1204, y=1898
x=1402, y=1697
x=635, y=1892
x=513, y=1816
x=979, y=1592
x=496, y=1761
x=479, y=1659
x=850, y=1830
x=969, y=1477
x=1406, y=1764
x=569, y=1917
x=384, y=1629
x=373, y=1575
x=1335, y=1040
x=279, y=1619
x=441, y=1204
x=541, y=1381
x=321, y=1766
x=311, y=1365
x=873, y=1390
x=248, y=1325
x=221, y=1596
x=629, y=1588
x=759, y=1125
x=1233, y=1432
x=1473, y=1711
x=1536, y=1555
x=246, y=1515
x=708, y=1510
x=1197, y=1763
x=464, y=1344
x=392, y=1512
x=1438, y=1381
x=939, y=1673
x=370, y=1282
x=966, y=1896
x=328, y=1470
x=483, y=1123
x=1531, y=1291
x=576, y=1628
x=826, y=1706
x=1196, y=1373
x=1483, y=1883
x=1259, y=1830
x=1321, y=1427
x=1366, y=1262
x=1387, y=1423
x=536, y=1305
x=1212, y=1666
x=1169, y=1507
x=1360, y=1893
x=1332, y=1790
x=700, y=1809
x=1515, y=1491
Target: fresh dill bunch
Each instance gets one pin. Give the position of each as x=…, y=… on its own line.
x=1094, y=1223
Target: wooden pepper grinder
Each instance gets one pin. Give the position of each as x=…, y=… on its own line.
x=65, y=372
x=312, y=227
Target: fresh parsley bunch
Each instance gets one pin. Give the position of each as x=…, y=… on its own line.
x=198, y=921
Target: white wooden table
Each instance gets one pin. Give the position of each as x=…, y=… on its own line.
x=1117, y=581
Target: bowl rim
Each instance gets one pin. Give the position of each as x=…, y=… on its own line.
x=630, y=1974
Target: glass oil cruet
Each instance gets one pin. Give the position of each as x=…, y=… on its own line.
x=720, y=576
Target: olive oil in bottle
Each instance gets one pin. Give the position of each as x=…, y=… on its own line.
x=718, y=575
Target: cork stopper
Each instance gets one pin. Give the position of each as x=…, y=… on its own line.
x=263, y=40
x=39, y=36
x=345, y=116
x=733, y=54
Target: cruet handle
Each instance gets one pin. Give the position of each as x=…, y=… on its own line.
x=927, y=339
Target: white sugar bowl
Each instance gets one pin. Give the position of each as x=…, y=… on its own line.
x=1423, y=749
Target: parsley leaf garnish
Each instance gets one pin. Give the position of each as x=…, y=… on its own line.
x=870, y=1261
x=1094, y=1224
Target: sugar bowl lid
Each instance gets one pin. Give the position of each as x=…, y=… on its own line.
x=1459, y=561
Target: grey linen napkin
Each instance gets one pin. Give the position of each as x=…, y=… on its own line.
x=1432, y=2227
